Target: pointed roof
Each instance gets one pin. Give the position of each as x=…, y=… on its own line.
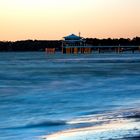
x=72, y=37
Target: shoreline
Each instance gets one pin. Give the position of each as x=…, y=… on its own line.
x=115, y=129
x=90, y=132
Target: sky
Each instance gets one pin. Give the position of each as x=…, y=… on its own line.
x=54, y=19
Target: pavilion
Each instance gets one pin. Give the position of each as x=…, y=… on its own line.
x=74, y=44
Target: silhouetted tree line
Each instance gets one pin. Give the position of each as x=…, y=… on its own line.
x=40, y=45
x=29, y=45
x=114, y=42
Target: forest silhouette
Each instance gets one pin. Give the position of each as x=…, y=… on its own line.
x=40, y=45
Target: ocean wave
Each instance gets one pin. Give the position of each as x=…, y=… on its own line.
x=109, y=116
x=44, y=123
x=113, y=130
x=117, y=124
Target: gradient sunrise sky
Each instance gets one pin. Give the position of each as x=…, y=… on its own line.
x=53, y=19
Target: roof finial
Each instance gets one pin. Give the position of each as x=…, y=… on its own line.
x=79, y=34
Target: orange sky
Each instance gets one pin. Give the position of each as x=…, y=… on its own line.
x=53, y=19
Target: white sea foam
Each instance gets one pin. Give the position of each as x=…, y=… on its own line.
x=114, y=125
x=115, y=129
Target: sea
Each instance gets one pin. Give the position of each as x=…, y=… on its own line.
x=69, y=97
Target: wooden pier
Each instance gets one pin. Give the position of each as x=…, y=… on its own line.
x=99, y=49
x=73, y=44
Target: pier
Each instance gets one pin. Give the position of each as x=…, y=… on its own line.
x=73, y=44
x=99, y=49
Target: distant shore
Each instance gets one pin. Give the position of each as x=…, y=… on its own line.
x=41, y=45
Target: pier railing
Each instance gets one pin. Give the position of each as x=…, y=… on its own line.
x=99, y=49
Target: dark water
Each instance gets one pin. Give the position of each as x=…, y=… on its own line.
x=40, y=94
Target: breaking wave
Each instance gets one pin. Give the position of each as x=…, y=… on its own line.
x=44, y=123
x=118, y=124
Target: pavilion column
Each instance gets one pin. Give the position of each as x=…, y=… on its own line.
x=62, y=50
x=119, y=50
x=71, y=50
x=68, y=51
x=75, y=50
x=90, y=50
x=85, y=50
x=82, y=50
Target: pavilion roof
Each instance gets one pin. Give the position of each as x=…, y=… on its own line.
x=72, y=37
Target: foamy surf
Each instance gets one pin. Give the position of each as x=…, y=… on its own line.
x=111, y=128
